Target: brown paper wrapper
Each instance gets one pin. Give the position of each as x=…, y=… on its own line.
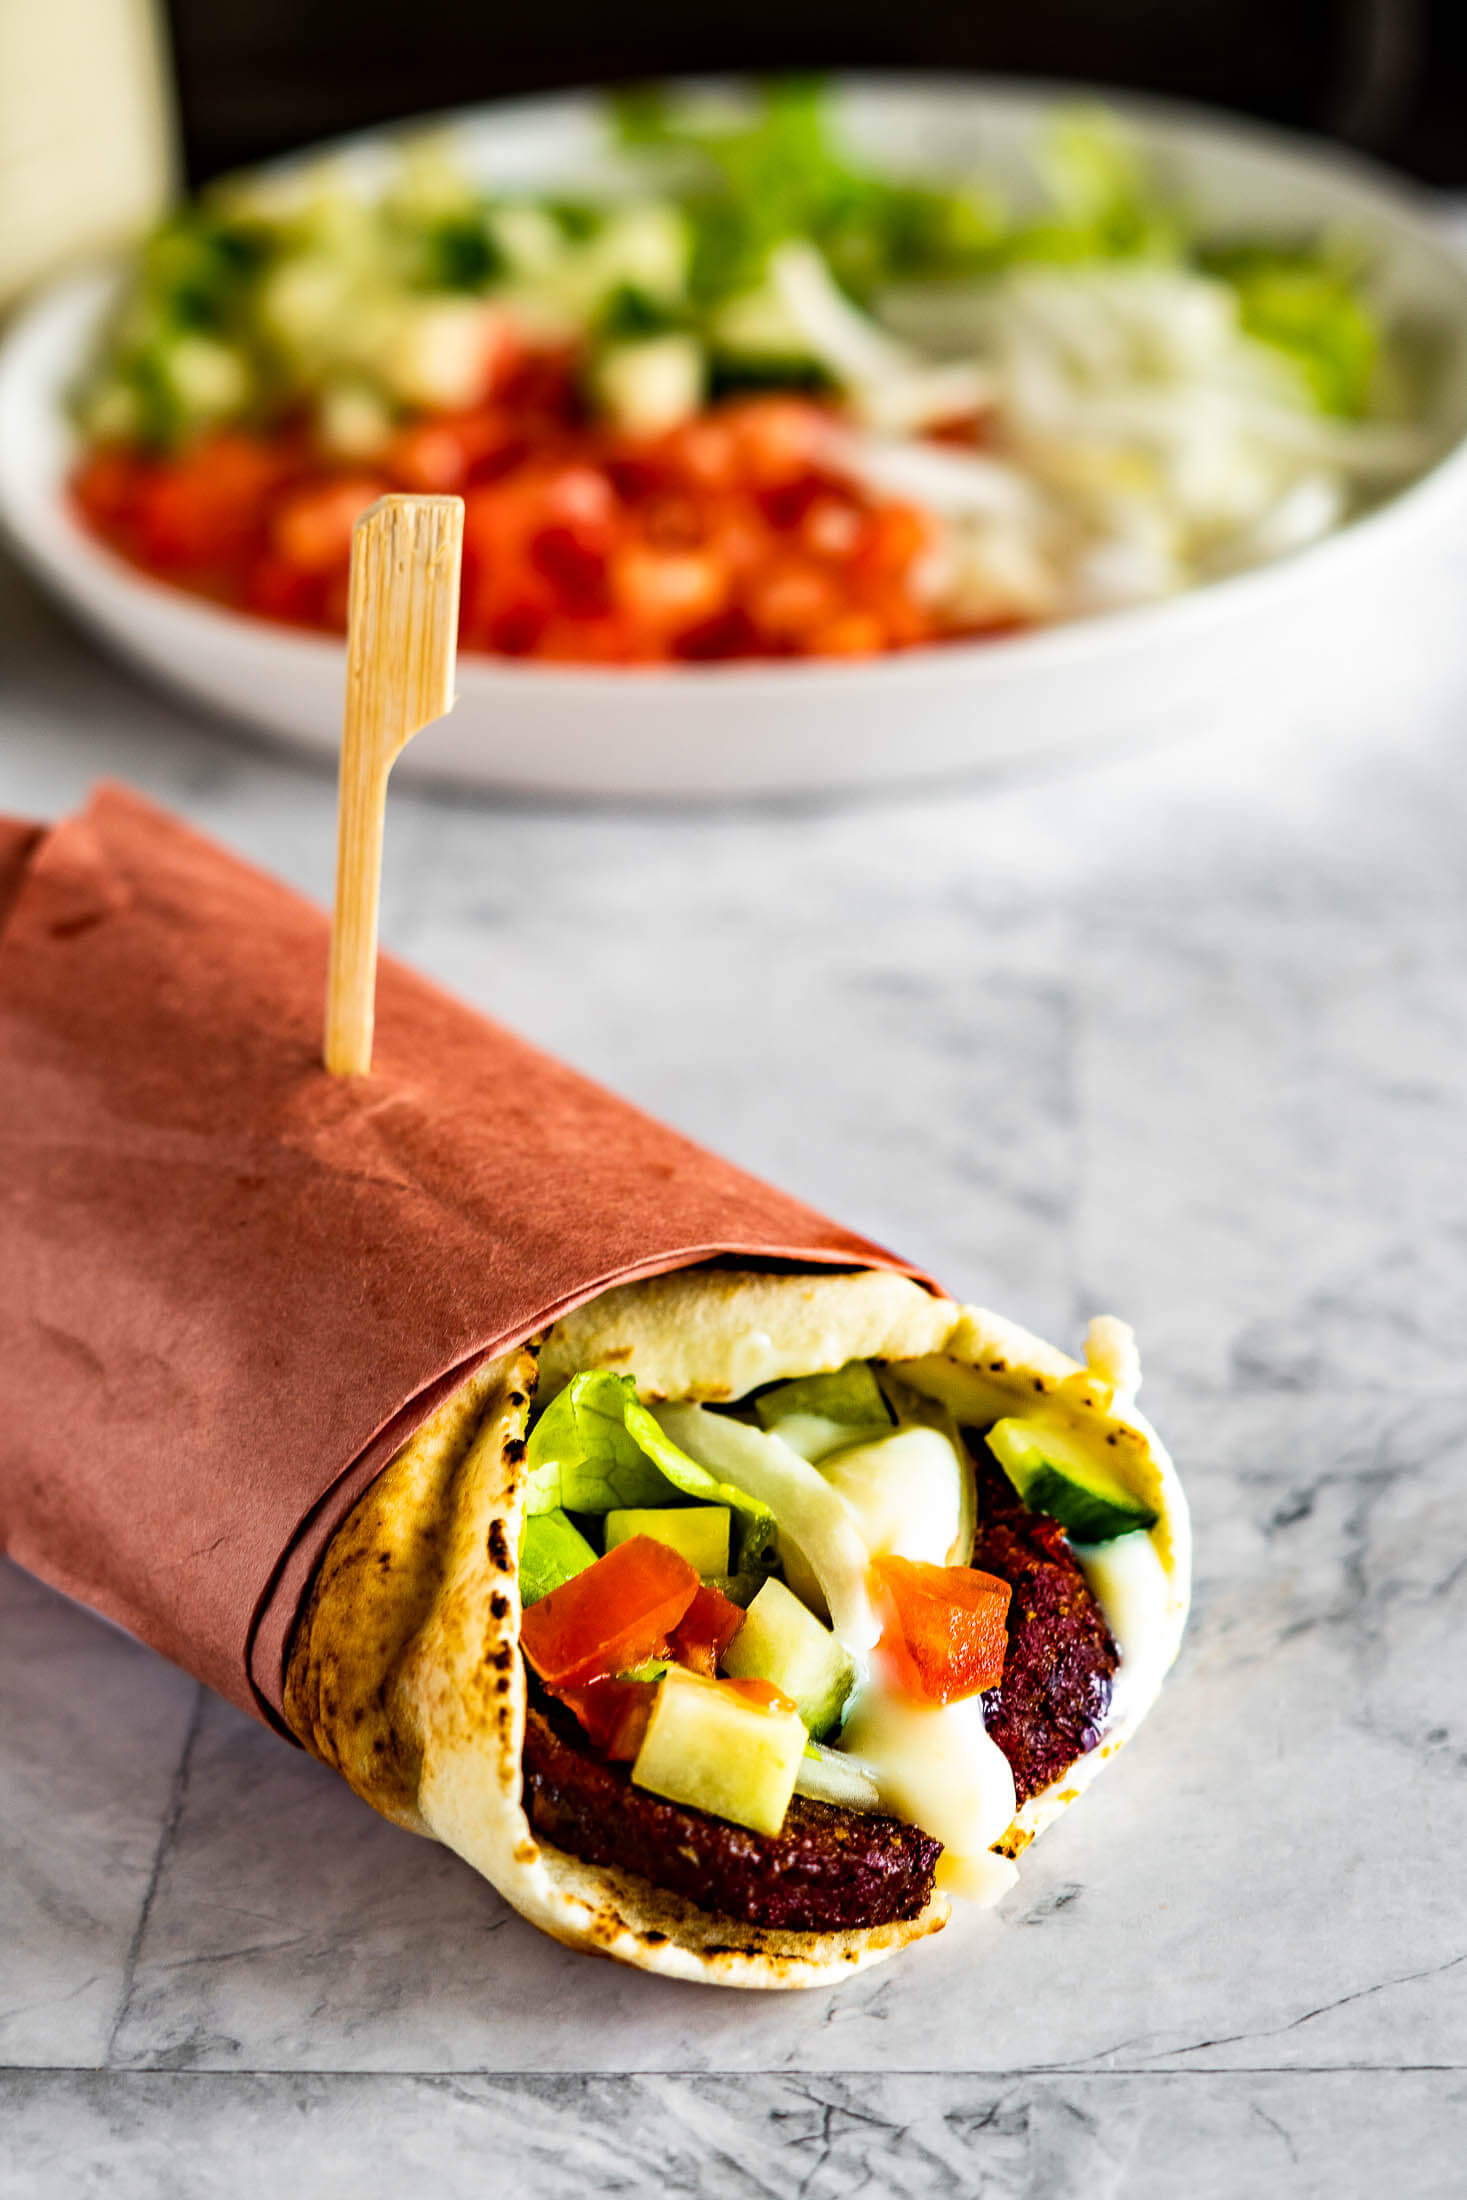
x=231, y=1286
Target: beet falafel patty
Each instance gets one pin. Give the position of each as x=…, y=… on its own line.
x=1051, y=1703
x=827, y=1870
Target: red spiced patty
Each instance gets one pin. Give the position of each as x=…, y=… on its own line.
x=825, y=1871
x=1051, y=1703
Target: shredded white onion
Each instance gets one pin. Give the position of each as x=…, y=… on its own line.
x=1137, y=439
x=890, y=385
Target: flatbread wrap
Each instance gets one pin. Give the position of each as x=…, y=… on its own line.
x=730, y=1598
x=408, y=1674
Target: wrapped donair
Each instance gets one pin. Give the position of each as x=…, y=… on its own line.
x=731, y=1599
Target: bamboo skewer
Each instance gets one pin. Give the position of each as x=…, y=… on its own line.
x=401, y=647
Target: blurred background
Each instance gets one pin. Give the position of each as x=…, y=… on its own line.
x=111, y=109
x=102, y=102
x=256, y=76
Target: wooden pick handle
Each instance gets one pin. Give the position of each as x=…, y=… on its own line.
x=401, y=647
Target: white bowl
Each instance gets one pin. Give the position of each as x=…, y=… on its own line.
x=755, y=729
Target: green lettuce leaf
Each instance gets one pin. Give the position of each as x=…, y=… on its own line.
x=1104, y=204
x=749, y=185
x=552, y=1550
x=596, y=1448
x=582, y=1456
x=1307, y=304
x=756, y=1520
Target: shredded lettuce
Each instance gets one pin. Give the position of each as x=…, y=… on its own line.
x=752, y=184
x=1104, y=204
x=1308, y=305
x=597, y=1448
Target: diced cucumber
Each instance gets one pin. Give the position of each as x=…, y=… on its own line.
x=781, y=1642
x=830, y=1776
x=757, y=327
x=209, y=380
x=1056, y=1471
x=527, y=238
x=698, y=1532
x=351, y=421
x=552, y=1549
x=712, y=1749
x=755, y=344
x=644, y=246
x=112, y=411
x=649, y=384
x=436, y=351
x=820, y=1414
x=300, y=306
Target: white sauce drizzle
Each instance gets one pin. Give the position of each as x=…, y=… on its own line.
x=1130, y=1585
x=902, y=1496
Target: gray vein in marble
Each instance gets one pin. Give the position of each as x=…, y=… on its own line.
x=752, y=2137
x=166, y=1837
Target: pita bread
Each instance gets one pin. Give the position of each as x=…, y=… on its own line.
x=404, y=1670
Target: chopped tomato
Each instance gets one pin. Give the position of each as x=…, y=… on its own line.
x=614, y=1713
x=281, y=591
x=201, y=509
x=891, y=541
x=666, y=591
x=763, y=1693
x=616, y=1614
x=706, y=1629
x=946, y=1632
x=832, y=527
x=107, y=486
x=850, y=634
x=778, y=439
x=706, y=451
x=443, y=452
x=731, y=535
x=311, y=530
x=430, y=457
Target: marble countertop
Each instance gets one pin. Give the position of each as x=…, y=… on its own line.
x=1183, y=1035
